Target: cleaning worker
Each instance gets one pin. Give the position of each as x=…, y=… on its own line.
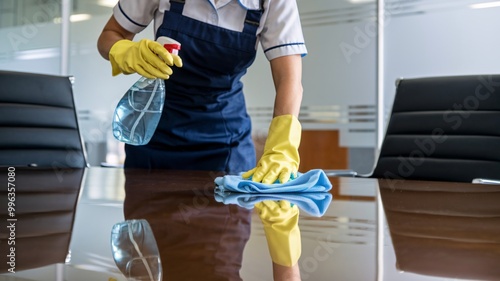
x=204, y=124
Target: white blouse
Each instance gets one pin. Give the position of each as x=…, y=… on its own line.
x=279, y=33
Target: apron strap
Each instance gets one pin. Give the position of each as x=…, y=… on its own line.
x=177, y=6
x=252, y=20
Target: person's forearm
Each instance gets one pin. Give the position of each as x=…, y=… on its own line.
x=111, y=33
x=287, y=77
x=285, y=273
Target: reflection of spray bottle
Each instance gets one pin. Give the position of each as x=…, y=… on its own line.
x=135, y=251
x=138, y=113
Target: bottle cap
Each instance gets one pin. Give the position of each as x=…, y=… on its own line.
x=170, y=44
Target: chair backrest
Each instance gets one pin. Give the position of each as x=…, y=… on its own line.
x=443, y=128
x=38, y=122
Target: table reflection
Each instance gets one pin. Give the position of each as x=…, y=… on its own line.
x=280, y=219
x=135, y=250
x=312, y=203
x=438, y=229
x=197, y=237
x=201, y=235
x=443, y=229
x=40, y=225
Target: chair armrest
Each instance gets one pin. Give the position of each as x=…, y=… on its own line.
x=340, y=173
x=486, y=181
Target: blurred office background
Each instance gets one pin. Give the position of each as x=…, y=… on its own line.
x=340, y=73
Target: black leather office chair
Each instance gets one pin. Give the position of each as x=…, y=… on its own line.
x=443, y=129
x=38, y=122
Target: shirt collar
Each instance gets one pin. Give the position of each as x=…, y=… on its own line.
x=250, y=4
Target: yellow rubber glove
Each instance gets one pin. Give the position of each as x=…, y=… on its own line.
x=282, y=231
x=148, y=58
x=280, y=159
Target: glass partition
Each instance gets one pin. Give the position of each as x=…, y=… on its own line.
x=96, y=91
x=31, y=36
x=339, y=81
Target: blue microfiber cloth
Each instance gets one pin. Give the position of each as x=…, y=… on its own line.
x=312, y=181
x=313, y=203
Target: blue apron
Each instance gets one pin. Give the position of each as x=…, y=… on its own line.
x=204, y=125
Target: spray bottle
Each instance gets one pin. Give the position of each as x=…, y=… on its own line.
x=138, y=112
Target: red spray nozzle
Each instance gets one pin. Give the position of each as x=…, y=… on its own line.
x=170, y=44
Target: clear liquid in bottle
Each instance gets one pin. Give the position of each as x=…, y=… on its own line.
x=138, y=112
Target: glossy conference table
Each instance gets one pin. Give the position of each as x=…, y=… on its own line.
x=372, y=230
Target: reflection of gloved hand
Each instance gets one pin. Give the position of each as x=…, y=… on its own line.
x=280, y=222
x=148, y=58
x=281, y=156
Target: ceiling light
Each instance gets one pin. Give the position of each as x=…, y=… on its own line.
x=485, y=5
x=361, y=1
x=37, y=54
x=75, y=18
x=79, y=17
x=107, y=3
